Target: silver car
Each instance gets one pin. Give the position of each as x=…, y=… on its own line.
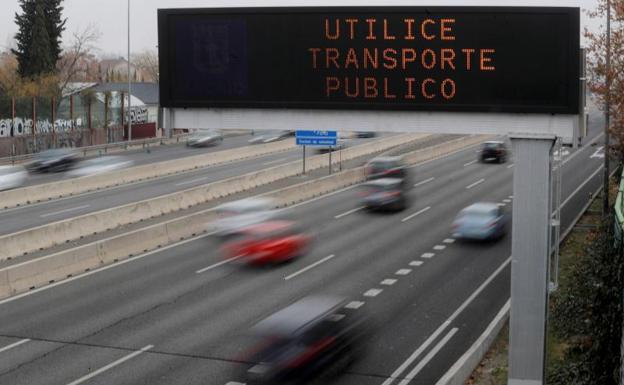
x=233, y=217
x=480, y=221
x=100, y=165
x=12, y=177
x=204, y=139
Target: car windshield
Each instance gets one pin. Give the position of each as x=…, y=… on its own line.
x=49, y=154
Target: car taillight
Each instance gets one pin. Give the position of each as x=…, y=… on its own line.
x=391, y=194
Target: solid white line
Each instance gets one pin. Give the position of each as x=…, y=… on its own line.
x=373, y=292
x=355, y=210
x=477, y=344
x=471, y=163
x=581, y=186
x=428, y=357
x=427, y=255
x=205, y=269
x=416, y=263
x=274, y=161
x=416, y=214
x=445, y=324
x=403, y=271
x=64, y=211
x=388, y=282
x=192, y=181
x=111, y=365
x=354, y=305
x=315, y=264
x=510, y=166
x=18, y=343
x=439, y=247
x=424, y=182
x=475, y=184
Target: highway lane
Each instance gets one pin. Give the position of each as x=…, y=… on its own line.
x=196, y=322
x=24, y=217
x=155, y=154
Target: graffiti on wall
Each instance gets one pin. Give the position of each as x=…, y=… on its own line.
x=138, y=115
x=23, y=127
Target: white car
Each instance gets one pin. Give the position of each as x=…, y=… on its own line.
x=235, y=216
x=100, y=165
x=12, y=177
x=270, y=136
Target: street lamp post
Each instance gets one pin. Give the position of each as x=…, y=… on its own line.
x=605, y=192
x=129, y=81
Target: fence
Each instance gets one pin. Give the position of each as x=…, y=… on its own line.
x=29, y=125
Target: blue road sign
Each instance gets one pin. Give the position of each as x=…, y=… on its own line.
x=316, y=138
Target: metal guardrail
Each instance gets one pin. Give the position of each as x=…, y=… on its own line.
x=100, y=149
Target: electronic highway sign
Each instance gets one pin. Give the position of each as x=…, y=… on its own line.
x=484, y=59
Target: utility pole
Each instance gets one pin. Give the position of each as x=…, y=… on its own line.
x=129, y=81
x=605, y=190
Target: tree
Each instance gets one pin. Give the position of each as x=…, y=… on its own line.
x=76, y=58
x=39, y=37
x=597, y=69
x=147, y=63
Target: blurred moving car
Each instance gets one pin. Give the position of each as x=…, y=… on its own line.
x=235, y=216
x=387, y=167
x=303, y=340
x=100, y=165
x=480, y=221
x=270, y=136
x=384, y=193
x=204, y=139
x=365, y=134
x=493, y=151
x=56, y=160
x=268, y=243
x=12, y=177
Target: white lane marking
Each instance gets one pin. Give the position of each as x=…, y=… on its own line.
x=511, y=165
x=315, y=264
x=373, y=292
x=581, y=186
x=597, y=154
x=355, y=210
x=192, y=181
x=14, y=345
x=475, y=184
x=236, y=383
x=416, y=263
x=502, y=204
x=403, y=271
x=274, y=161
x=471, y=163
x=445, y=324
x=205, y=269
x=424, y=182
x=439, y=247
x=64, y=211
x=323, y=196
x=416, y=214
x=511, y=197
x=427, y=255
x=354, y=305
x=111, y=365
x=506, y=200
x=446, y=378
x=388, y=282
x=410, y=376
x=449, y=240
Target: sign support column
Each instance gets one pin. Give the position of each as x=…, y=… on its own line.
x=529, y=267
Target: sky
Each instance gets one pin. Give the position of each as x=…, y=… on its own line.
x=110, y=16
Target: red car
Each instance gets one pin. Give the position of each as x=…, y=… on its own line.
x=268, y=242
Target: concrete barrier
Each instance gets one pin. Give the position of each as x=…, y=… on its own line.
x=63, y=188
x=38, y=272
x=45, y=236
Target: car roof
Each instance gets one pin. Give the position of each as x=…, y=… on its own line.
x=302, y=314
x=481, y=207
x=494, y=142
x=384, y=182
x=386, y=159
x=260, y=202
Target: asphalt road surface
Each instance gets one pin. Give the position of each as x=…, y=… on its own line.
x=155, y=320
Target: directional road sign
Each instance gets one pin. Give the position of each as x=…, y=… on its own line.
x=316, y=138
